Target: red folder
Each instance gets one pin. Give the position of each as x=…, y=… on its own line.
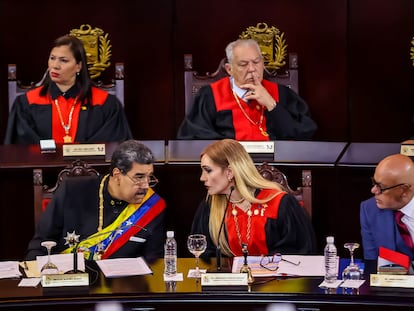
x=394, y=257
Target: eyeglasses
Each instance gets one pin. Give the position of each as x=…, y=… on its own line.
x=382, y=189
x=271, y=262
x=140, y=180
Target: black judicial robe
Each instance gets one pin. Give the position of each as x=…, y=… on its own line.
x=31, y=120
x=287, y=229
x=290, y=120
x=74, y=207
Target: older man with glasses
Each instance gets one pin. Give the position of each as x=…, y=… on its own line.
x=387, y=219
x=117, y=215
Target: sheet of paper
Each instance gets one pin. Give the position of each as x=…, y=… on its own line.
x=29, y=282
x=9, y=269
x=177, y=277
x=64, y=262
x=335, y=284
x=352, y=283
x=124, y=267
x=308, y=266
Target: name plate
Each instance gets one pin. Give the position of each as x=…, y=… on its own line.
x=264, y=147
x=407, y=148
x=59, y=280
x=388, y=280
x=224, y=279
x=78, y=150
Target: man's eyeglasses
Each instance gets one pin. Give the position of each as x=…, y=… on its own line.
x=271, y=262
x=381, y=189
x=140, y=180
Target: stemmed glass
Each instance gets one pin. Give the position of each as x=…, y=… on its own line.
x=49, y=267
x=197, y=244
x=352, y=271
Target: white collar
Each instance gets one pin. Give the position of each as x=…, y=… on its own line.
x=239, y=92
x=408, y=209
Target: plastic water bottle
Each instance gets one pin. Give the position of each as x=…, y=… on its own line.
x=330, y=253
x=170, y=255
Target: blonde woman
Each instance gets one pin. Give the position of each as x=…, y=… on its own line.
x=243, y=208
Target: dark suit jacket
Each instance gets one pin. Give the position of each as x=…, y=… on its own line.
x=378, y=228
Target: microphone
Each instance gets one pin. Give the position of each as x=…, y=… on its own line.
x=73, y=240
x=218, y=248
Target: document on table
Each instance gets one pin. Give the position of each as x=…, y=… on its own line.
x=9, y=269
x=290, y=265
x=124, y=267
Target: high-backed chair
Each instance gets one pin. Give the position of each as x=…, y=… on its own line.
x=16, y=88
x=193, y=81
x=303, y=193
x=43, y=193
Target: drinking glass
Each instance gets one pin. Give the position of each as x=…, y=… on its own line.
x=197, y=244
x=49, y=267
x=352, y=271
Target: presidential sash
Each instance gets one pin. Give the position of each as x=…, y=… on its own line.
x=133, y=219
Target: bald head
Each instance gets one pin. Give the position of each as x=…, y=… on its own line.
x=395, y=169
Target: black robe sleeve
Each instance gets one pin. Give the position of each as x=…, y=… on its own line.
x=104, y=123
x=22, y=122
x=291, y=118
x=292, y=231
x=201, y=122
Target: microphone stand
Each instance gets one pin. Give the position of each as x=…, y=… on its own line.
x=218, y=248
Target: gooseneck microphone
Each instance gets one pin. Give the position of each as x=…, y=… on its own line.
x=218, y=249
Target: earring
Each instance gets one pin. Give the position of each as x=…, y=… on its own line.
x=77, y=73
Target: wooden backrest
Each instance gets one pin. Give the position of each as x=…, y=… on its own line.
x=16, y=88
x=43, y=193
x=303, y=193
x=193, y=81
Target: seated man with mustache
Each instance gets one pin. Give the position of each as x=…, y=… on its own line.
x=117, y=215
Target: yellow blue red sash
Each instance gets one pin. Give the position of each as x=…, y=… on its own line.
x=133, y=219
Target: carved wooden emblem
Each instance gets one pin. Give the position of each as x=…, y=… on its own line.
x=97, y=47
x=271, y=42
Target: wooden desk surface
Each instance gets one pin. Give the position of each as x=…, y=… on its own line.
x=150, y=291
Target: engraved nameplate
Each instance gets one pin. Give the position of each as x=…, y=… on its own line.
x=407, y=148
x=76, y=150
x=224, y=279
x=59, y=280
x=392, y=280
x=259, y=146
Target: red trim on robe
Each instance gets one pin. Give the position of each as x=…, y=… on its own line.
x=34, y=98
x=261, y=212
x=243, y=128
x=155, y=210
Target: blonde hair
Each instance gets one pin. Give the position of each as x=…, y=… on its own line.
x=230, y=153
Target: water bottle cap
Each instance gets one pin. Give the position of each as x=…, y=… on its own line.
x=330, y=239
x=170, y=234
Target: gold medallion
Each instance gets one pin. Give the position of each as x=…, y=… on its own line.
x=67, y=139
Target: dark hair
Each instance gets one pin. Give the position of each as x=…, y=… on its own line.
x=127, y=153
x=83, y=80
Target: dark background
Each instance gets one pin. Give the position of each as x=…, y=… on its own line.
x=355, y=73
